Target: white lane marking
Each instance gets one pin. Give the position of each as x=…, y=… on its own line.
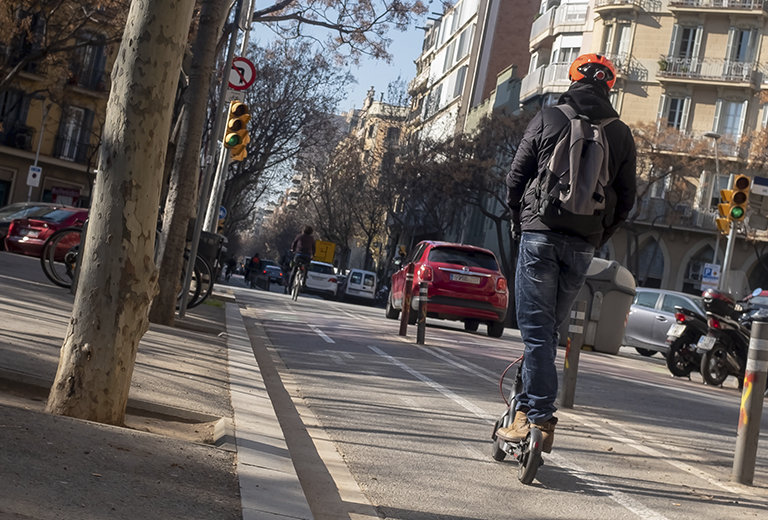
x=462, y=364
x=620, y=498
x=479, y=412
x=335, y=357
x=654, y=453
x=321, y=333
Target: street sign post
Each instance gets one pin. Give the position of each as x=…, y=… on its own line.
x=710, y=276
x=33, y=177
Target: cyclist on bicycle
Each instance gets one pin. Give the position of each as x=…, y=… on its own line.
x=303, y=249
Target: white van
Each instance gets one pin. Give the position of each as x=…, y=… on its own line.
x=360, y=284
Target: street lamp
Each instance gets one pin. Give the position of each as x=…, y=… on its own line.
x=715, y=138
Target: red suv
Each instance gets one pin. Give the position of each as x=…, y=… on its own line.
x=464, y=284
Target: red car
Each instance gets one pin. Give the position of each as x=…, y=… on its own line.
x=28, y=235
x=464, y=284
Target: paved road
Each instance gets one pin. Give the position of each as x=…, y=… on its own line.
x=413, y=423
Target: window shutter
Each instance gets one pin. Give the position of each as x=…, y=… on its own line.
x=673, y=41
x=697, y=45
x=686, y=111
x=729, y=46
x=718, y=110
x=742, y=118
x=663, y=102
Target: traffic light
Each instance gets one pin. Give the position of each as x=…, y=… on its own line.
x=738, y=207
x=723, y=209
x=236, y=134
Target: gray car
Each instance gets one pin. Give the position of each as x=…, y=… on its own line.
x=652, y=314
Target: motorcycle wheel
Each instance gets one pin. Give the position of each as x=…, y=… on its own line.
x=714, y=365
x=679, y=361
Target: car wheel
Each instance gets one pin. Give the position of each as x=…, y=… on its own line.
x=471, y=325
x=495, y=329
x=390, y=312
x=645, y=352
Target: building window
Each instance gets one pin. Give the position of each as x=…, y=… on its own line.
x=90, y=59
x=673, y=112
x=729, y=117
x=449, y=55
x=565, y=54
x=74, y=136
x=14, y=106
x=720, y=183
x=371, y=129
x=461, y=76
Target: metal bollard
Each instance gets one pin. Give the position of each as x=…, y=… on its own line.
x=572, y=350
x=751, y=408
x=406, y=300
x=422, y=323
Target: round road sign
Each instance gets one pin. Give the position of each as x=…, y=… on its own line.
x=242, y=75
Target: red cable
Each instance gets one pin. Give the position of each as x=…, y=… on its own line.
x=501, y=379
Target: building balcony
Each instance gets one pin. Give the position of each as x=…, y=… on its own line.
x=719, y=6
x=419, y=83
x=623, y=6
x=548, y=79
x=558, y=20
x=711, y=71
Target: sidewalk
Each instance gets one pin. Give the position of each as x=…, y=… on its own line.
x=188, y=451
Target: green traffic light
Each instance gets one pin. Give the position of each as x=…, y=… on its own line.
x=737, y=212
x=233, y=140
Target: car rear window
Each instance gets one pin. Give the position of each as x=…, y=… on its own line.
x=466, y=257
x=369, y=280
x=57, y=215
x=12, y=212
x=320, y=268
x=356, y=277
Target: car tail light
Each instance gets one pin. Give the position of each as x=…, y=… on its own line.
x=264, y=271
x=12, y=228
x=332, y=280
x=425, y=273
x=713, y=323
x=501, y=284
x=680, y=317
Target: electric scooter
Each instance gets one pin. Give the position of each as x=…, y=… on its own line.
x=527, y=452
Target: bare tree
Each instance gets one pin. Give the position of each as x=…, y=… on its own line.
x=118, y=276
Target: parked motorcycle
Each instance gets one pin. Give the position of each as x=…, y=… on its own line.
x=724, y=348
x=682, y=337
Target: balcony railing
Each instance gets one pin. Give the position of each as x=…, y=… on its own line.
x=554, y=20
x=710, y=69
x=719, y=5
x=619, y=4
x=552, y=78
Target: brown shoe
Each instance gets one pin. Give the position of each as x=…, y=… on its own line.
x=547, y=433
x=517, y=431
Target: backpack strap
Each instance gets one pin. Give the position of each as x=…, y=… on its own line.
x=568, y=110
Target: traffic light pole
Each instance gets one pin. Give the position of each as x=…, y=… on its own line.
x=723, y=283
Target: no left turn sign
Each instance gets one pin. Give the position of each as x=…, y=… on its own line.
x=242, y=75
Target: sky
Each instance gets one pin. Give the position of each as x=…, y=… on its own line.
x=405, y=48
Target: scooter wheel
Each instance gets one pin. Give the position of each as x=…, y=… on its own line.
x=530, y=460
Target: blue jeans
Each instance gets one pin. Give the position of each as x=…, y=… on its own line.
x=551, y=269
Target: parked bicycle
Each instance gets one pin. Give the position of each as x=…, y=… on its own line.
x=61, y=253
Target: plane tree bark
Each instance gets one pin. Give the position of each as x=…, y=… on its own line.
x=118, y=276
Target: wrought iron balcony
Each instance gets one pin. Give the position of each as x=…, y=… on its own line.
x=602, y=6
x=722, y=6
x=711, y=70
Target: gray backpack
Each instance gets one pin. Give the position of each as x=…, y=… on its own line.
x=571, y=193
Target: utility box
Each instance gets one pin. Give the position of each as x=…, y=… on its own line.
x=608, y=291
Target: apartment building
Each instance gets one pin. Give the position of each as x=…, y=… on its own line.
x=51, y=116
x=464, y=50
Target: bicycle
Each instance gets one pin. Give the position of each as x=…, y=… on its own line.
x=61, y=253
x=298, y=281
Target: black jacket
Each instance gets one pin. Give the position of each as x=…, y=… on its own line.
x=539, y=142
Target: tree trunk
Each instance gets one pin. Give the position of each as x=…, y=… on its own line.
x=118, y=277
x=182, y=199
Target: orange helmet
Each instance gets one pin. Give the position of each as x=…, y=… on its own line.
x=593, y=67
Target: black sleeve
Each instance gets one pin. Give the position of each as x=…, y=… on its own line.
x=525, y=165
x=624, y=186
